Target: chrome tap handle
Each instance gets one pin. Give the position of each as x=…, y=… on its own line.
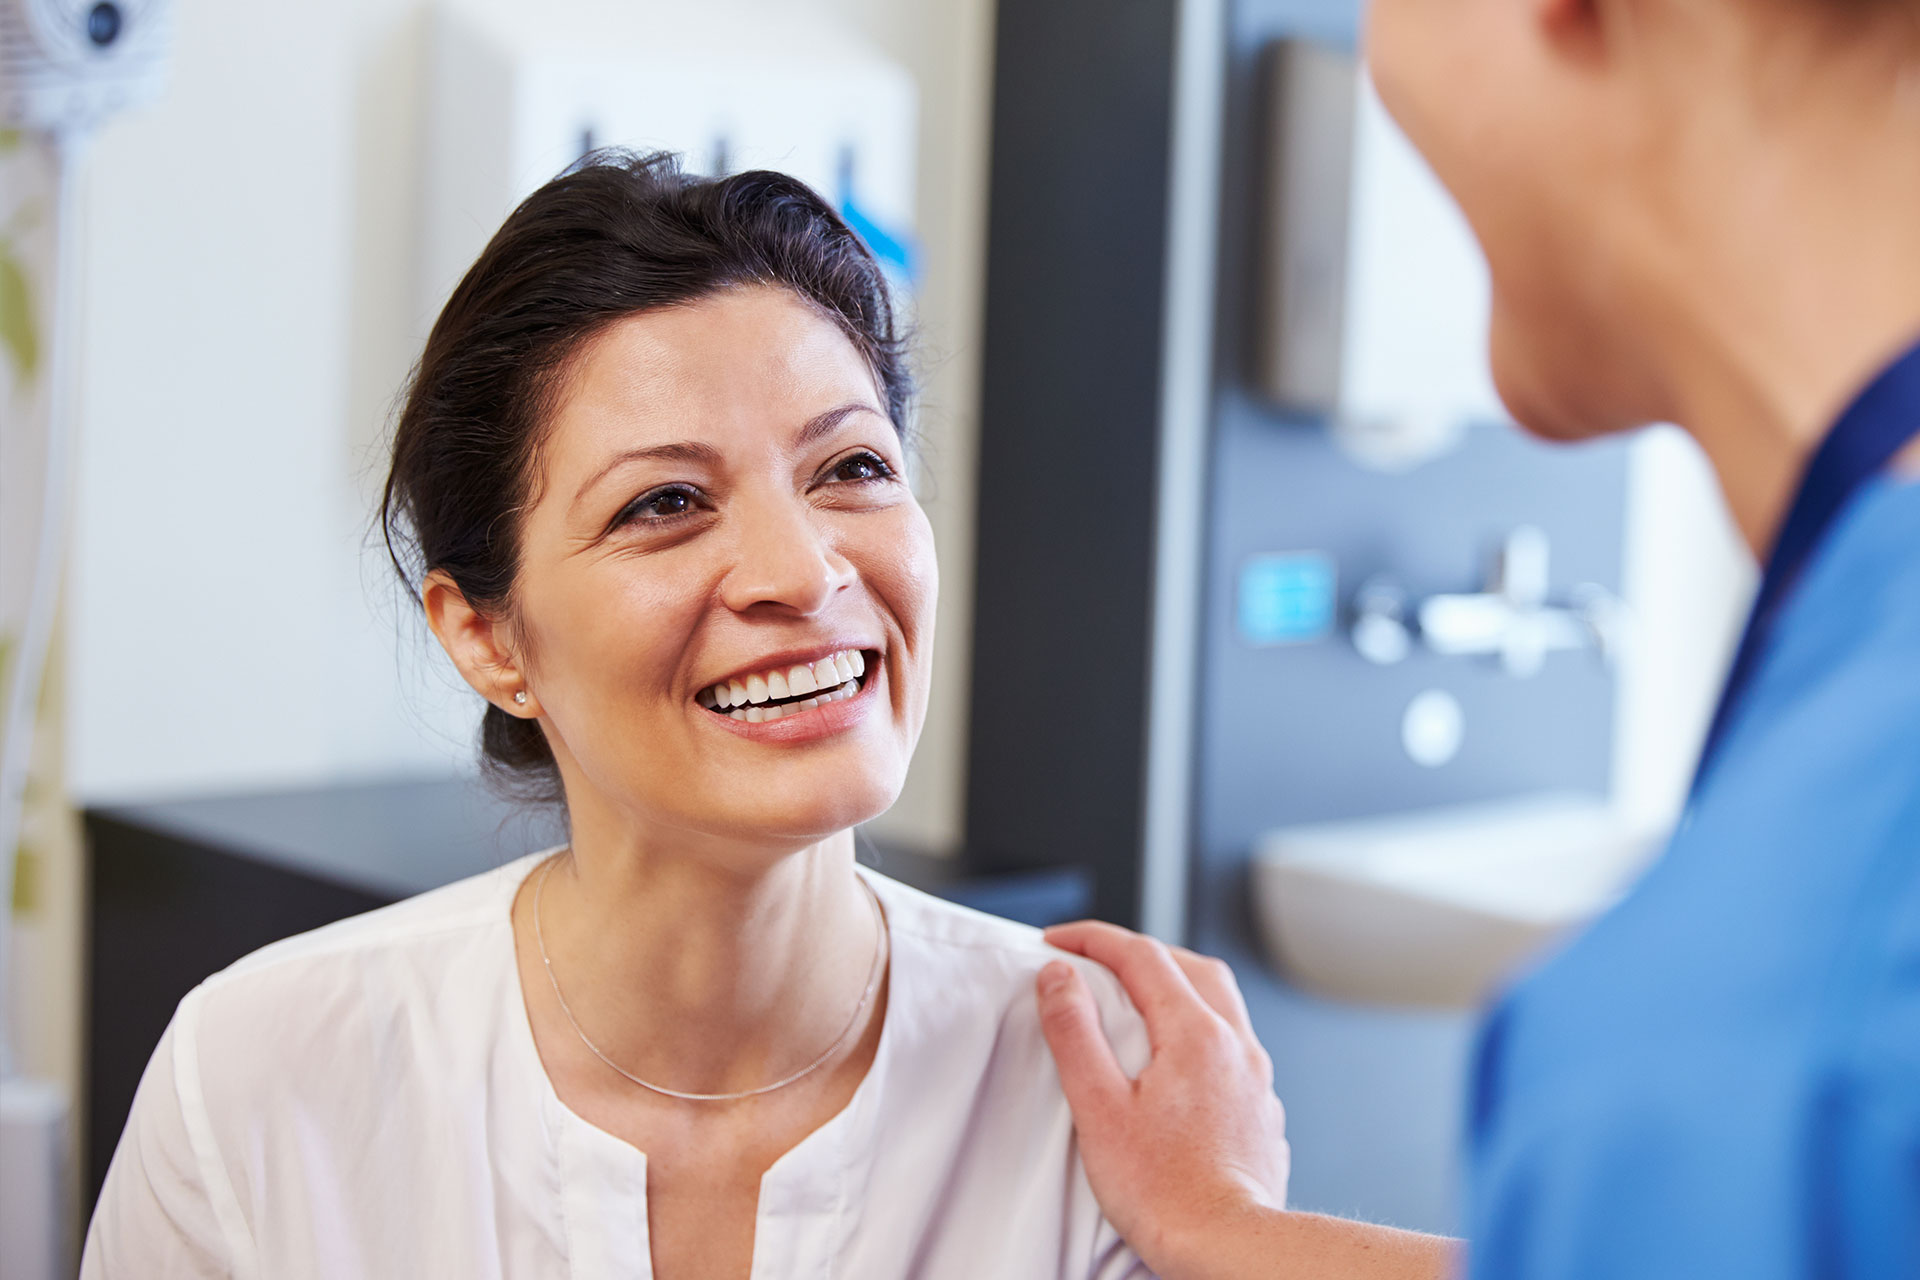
x=1510, y=621
x=1521, y=573
x=1380, y=630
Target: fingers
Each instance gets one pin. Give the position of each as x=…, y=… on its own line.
x=1214, y=980
x=1162, y=980
x=1082, y=937
x=1090, y=1075
x=1159, y=990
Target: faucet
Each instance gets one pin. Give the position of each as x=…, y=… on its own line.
x=1509, y=621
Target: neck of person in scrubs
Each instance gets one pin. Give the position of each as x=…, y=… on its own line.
x=1704, y=212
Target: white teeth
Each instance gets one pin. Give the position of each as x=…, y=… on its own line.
x=756, y=714
x=832, y=677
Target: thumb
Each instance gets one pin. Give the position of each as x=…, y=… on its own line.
x=1090, y=1076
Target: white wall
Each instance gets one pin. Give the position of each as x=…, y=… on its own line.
x=249, y=313
x=220, y=634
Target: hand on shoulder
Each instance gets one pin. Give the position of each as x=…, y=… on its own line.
x=1190, y=1158
x=1199, y=1136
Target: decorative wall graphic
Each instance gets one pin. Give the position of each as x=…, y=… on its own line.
x=64, y=68
x=29, y=194
x=516, y=93
x=37, y=837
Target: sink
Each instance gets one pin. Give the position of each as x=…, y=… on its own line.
x=1437, y=907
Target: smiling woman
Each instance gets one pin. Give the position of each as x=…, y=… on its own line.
x=648, y=485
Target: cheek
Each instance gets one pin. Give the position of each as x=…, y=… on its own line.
x=1481, y=145
x=920, y=571
x=1416, y=61
x=1390, y=44
x=900, y=567
x=608, y=638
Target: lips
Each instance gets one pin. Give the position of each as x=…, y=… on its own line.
x=783, y=690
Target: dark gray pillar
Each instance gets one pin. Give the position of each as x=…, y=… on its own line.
x=1070, y=423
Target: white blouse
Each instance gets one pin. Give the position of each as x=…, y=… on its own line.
x=366, y=1101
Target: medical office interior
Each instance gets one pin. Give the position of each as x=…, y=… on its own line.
x=1261, y=629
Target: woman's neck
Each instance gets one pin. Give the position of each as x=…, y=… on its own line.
x=1789, y=274
x=707, y=970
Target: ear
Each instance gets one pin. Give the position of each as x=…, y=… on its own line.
x=480, y=646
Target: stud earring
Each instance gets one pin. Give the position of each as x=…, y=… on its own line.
x=520, y=697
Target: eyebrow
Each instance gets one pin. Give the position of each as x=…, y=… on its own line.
x=704, y=454
x=822, y=423
x=686, y=451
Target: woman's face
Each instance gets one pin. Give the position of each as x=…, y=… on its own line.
x=722, y=517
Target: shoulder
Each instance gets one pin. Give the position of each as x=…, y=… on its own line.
x=971, y=1102
x=1724, y=1156
x=304, y=1057
x=1847, y=639
x=1792, y=891
x=1774, y=949
x=953, y=949
x=476, y=902
x=430, y=953
x=1760, y=988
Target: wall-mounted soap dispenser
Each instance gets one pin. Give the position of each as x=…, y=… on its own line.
x=1373, y=294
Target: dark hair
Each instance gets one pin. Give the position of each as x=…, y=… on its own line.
x=615, y=234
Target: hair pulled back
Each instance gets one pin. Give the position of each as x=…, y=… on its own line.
x=616, y=234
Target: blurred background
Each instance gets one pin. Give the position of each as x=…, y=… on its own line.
x=1345, y=679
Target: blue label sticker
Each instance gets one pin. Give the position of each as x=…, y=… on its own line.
x=1287, y=599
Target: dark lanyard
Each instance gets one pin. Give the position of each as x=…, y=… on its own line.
x=1876, y=426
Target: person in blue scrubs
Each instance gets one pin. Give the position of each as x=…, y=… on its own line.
x=1704, y=212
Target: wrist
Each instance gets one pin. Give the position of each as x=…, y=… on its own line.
x=1231, y=1242
x=1261, y=1242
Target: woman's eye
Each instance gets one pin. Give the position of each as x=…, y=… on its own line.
x=661, y=504
x=861, y=467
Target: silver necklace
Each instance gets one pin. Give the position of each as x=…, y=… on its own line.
x=873, y=984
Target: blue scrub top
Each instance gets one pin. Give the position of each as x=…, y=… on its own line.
x=1722, y=1076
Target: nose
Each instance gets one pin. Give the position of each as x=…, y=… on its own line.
x=782, y=561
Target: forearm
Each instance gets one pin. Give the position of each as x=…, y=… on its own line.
x=1288, y=1245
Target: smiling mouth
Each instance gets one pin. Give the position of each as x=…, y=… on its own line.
x=780, y=692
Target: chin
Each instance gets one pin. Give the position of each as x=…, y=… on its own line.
x=1549, y=387
x=810, y=812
